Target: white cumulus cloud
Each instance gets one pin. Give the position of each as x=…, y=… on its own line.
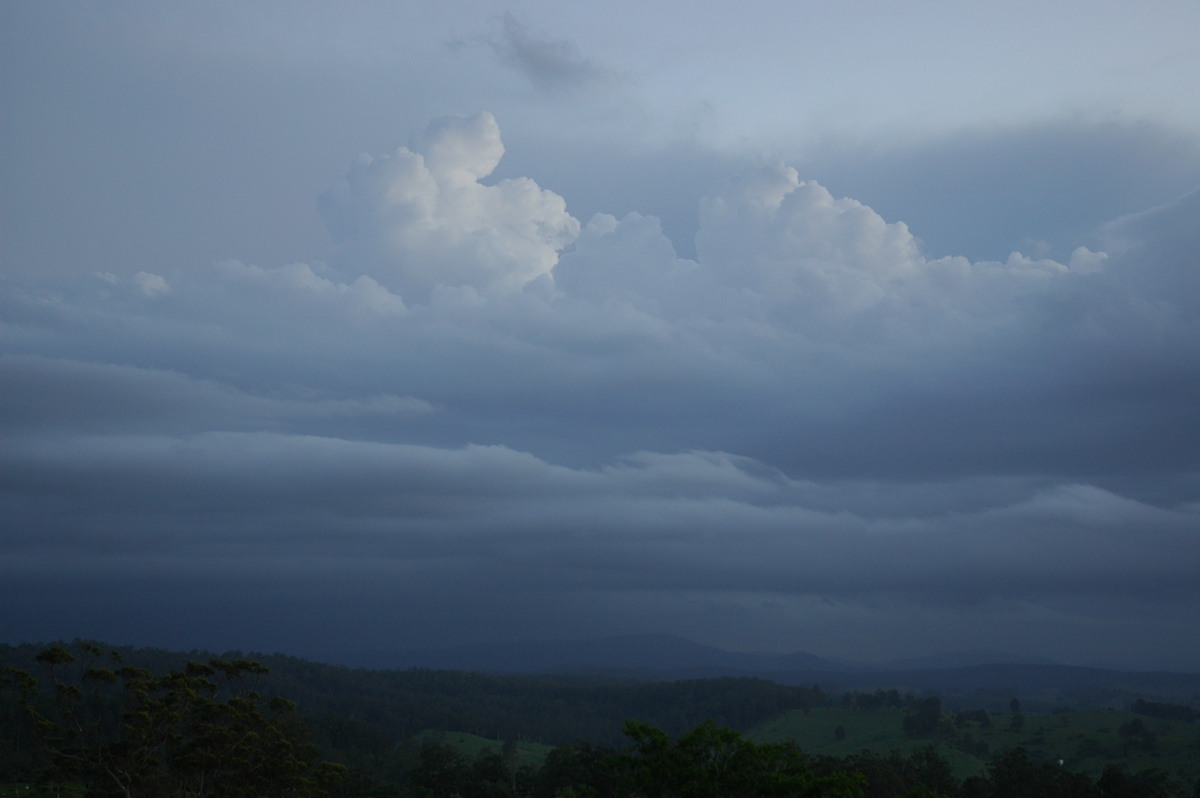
x=151, y=285
x=421, y=218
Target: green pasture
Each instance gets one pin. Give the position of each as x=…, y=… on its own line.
x=1085, y=741
x=471, y=746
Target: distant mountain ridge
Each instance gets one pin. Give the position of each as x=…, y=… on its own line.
x=649, y=659
x=962, y=659
x=667, y=657
x=654, y=653
x=619, y=653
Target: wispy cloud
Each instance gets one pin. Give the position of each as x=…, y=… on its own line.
x=552, y=65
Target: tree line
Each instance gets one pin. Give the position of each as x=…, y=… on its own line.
x=550, y=709
x=714, y=762
x=86, y=718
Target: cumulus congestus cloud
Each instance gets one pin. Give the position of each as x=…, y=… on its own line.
x=421, y=218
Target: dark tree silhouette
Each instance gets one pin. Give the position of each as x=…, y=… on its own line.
x=197, y=731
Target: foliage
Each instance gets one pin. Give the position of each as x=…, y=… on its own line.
x=707, y=762
x=552, y=709
x=372, y=722
x=925, y=719
x=1165, y=711
x=197, y=731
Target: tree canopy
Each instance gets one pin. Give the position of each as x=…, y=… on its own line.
x=199, y=731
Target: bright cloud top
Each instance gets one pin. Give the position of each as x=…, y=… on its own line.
x=421, y=218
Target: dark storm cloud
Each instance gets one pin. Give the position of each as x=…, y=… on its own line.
x=465, y=535
x=56, y=393
x=697, y=522
x=489, y=419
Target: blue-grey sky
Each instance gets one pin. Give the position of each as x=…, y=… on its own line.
x=865, y=329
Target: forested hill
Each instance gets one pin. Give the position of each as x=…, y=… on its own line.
x=1061, y=684
x=554, y=709
x=665, y=657
x=647, y=654
x=560, y=708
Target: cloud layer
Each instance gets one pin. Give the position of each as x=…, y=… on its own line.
x=485, y=418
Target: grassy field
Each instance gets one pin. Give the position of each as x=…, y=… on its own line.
x=471, y=746
x=1085, y=741
x=880, y=731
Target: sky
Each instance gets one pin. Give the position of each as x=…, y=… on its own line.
x=865, y=329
